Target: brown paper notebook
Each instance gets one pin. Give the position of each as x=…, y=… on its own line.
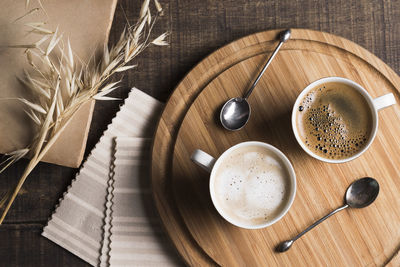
x=87, y=24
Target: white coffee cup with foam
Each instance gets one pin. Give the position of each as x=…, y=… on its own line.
x=252, y=184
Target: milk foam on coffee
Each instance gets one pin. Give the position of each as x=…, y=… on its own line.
x=334, y=120
x=252, y=185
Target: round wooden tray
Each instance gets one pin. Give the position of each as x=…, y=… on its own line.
x=353, y=237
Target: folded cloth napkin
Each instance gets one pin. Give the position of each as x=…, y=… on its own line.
x=82, y=222
x=136, y=235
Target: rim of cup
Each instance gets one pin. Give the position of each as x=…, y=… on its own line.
x=355, y=86
x=292, y=180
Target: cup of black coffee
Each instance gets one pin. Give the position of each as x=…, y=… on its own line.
x=335, y=119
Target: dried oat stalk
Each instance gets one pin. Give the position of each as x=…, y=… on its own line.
x=61, y=85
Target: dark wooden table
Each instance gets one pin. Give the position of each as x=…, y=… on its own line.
x=198, y=28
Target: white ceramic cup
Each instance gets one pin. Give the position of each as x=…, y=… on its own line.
x=211, y=164
x=375, y=104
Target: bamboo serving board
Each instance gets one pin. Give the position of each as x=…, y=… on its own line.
x=190, y=120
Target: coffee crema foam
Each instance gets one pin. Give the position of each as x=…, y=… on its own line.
x=334, y=121
x=252, y=185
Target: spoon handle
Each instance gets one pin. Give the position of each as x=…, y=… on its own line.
x=319, y=221
x=284, y=37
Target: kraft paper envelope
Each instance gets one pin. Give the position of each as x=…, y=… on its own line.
x=86, y=23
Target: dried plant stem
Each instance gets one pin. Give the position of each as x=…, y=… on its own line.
x=32, y=164
x=11, y=199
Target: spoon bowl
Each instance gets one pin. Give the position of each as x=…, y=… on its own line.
x=236, y=114
x=362, y=193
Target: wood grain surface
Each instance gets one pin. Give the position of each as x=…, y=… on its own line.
x=197, y=29
x=353, y=238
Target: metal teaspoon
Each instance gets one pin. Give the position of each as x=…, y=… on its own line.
x=359, y=194
x=236, y=111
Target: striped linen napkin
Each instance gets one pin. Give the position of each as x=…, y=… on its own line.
x=82, y=221
x=136, y=234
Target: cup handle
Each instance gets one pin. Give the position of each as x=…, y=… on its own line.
x=384, y=101
x=203, y=159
